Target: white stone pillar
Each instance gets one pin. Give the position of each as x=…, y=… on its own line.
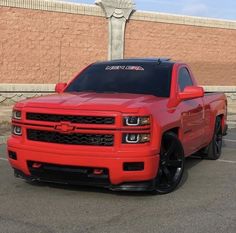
x=117, y=12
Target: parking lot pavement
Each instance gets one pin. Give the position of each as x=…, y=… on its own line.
x=205, y=202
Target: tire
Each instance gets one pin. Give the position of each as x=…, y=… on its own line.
x=171, y=167
x=215, y=147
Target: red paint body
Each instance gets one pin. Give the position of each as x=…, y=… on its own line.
x=192, y=119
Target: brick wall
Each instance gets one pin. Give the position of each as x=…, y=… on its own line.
x=211, y=52
x=53, y=41
x=46, y=47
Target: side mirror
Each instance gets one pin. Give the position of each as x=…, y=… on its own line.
x=60, y=87
x=191, y=92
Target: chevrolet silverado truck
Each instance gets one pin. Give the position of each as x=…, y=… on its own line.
x=123, y=124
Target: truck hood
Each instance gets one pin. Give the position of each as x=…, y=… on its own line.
x=92, y=101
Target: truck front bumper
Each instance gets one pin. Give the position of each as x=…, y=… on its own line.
x=52, y=166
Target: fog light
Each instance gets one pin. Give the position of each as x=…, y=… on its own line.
x=17, y=130
x=133, y=166
x=134, y=138
x=12, y=155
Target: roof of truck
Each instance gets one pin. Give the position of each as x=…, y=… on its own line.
x=140, y=60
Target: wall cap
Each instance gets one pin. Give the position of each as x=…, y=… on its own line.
x=18, y=88
x=226, y=89
x=183, y=19
x=56, y=6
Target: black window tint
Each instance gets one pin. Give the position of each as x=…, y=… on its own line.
x=135, y=78
x=184, y=79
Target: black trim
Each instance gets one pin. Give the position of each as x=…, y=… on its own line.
x=12, y=155
x=90, y=139
x=133, y=166
x=135, y=186
x=77, y=119
x=128, y=186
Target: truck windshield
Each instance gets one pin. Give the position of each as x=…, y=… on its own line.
x=135, y=78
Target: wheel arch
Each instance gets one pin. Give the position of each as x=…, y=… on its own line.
x=222, y=119
x=173, y=152
x=178, y=132
x=175, y=130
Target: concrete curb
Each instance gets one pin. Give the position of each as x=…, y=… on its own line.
x=231, y=124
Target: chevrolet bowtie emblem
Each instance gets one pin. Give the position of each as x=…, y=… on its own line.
x=64, y=127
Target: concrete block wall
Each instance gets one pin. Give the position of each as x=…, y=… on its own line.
x=48, y=42
x=207, y=45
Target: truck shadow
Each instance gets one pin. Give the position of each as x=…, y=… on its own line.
x=189, y=164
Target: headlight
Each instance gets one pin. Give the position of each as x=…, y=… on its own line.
x=136, y=138
x=16, y=130
x=16, y=114
x=136, y=121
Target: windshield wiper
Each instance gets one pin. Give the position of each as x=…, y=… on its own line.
x=108, y=92
x=87, y=91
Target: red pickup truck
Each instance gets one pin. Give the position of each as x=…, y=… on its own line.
x=123, y=124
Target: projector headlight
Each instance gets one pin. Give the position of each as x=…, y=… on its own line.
x=136, y=121
x=136, y=138
x=16, y=115
x=16, y=130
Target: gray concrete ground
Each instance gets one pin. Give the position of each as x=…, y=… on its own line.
x=205, y=202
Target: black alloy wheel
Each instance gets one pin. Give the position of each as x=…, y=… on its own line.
x=171, y=165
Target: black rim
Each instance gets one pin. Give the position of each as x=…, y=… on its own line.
x=171, y=164
x=218, y=138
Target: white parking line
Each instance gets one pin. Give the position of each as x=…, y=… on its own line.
x=3, y=159
x=226, y=161
x=229, y=140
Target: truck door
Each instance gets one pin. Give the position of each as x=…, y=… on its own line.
x=192, y=116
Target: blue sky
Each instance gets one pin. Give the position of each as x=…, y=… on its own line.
x=209, y=8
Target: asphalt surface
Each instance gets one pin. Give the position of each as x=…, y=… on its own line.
x=205, y=202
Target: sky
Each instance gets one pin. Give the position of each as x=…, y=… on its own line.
x=209, y=8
